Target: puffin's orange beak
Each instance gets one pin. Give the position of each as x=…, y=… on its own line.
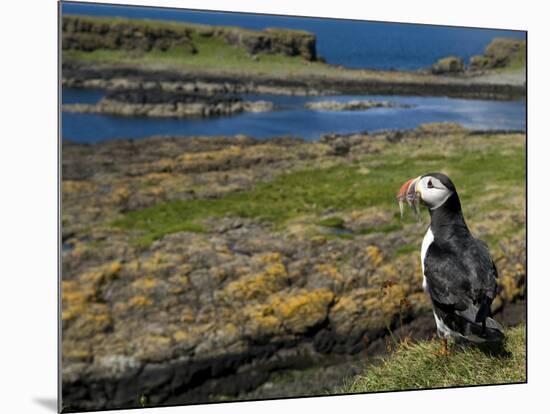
x=407, y=193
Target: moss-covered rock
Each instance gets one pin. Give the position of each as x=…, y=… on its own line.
x=448, y=65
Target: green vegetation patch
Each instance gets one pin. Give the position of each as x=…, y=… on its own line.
x=211, y=53
x=339, y=188
x=406, y=249
x=418, y=366
x=333, y=222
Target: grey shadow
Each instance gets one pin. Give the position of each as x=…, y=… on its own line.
x=49, y=403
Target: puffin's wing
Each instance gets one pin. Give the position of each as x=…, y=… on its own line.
x=462, y=288
x=446, y=278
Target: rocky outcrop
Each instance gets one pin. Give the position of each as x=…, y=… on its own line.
x=501, y=53
x=355, y=105
x=85, y=33
x=276, y=41
x=448, y=65
x=167, y=104
x=92, y=33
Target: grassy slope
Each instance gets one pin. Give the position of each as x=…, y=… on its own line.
x=212, y=52
x=517, y=61
x=495, y=163
x=417, y=366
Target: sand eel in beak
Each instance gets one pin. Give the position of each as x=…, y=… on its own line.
x=459, y=273
x=408, y=193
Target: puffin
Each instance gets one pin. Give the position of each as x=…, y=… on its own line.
x=459, y=275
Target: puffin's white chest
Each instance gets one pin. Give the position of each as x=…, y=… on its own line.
x=428, y=239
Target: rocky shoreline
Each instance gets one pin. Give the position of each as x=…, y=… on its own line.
x=120, y=77
x=355, y=105
x=212, y=312
x=168, y=104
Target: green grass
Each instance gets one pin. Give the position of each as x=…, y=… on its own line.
x=340, y=188
x=406, y=249
x=418, y=366
x=211, y=51
x=333, y=222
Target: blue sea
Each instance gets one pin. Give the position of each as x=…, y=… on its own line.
x=363, y=44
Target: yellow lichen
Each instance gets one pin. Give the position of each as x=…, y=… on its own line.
x=271, y=258
x=374, y=254
x=180, y=336
x=302, y=310
x=139, y=301
x=257, y=285
x=276, y=270
x=159, y=261
x=260, y=321
x=144, y=283
x=75, y=298
x=73, y=186
x=120, y=195
x=102, y=273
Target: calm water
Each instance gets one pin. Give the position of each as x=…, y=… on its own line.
x=293, y=119
x=350, y=43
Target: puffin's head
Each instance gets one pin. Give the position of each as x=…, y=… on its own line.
x=431, y=189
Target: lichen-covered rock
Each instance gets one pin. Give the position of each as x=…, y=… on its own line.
x=302, y=310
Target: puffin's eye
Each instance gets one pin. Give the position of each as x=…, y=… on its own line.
x=430, y=185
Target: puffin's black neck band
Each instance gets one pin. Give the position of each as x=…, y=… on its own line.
x=448, y=219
